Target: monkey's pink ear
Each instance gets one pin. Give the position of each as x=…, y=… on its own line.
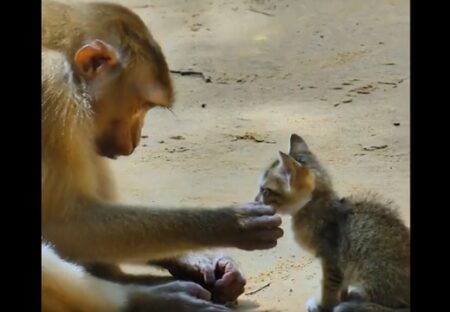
x=94, y=57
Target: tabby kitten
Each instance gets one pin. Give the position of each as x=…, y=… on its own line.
x=363, y=246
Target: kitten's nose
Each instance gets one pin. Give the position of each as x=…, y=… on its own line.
x=258, y=197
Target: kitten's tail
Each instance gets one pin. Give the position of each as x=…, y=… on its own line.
x=353, y=306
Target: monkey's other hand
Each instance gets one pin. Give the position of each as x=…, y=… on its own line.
x=217, y=273
x=174, y=296
x=230, y=283
x=257, y=227
x=313, y=306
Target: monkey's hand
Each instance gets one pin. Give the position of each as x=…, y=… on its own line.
x=257, y=227
x=217, y=273
x=174, y=296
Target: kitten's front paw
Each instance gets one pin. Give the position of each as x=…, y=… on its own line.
x=313, y=306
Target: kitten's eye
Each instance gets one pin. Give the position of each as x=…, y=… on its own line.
x=301, y=159
x=268, y=192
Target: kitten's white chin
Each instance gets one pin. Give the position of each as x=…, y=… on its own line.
x=293, y=208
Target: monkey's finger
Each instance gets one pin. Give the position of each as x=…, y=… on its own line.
x=226, y=281
x=209, y=276
x=257, y=209
x=270, y=235
x=231, y=273
x=227, y=294
x=257, y=246
x=225, y=265
x=266, y=245
x=229, y=288
x=216, y=308
x=264, y=211
x=264, y=222
x=195, y=290
x=234, y=277
x=202, y=293
x=203, y=306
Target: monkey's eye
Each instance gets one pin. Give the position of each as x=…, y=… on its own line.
x=148, y=104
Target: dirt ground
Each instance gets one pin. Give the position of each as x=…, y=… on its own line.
x=334, y=71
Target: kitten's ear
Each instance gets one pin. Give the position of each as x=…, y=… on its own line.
x=289, y=164
x=297, y=145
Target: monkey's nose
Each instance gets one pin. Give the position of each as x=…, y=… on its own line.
x=135, y=139
x=126, y=148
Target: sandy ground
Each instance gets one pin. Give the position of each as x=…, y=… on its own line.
x=333, y=71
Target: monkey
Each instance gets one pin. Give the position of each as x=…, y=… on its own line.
x=102, y=71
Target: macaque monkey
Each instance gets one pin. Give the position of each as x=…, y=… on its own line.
x=102, y=71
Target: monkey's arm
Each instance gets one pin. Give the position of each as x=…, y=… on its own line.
x=217, y=273
x=116, y=233
x=113, y=272
x=66, y=286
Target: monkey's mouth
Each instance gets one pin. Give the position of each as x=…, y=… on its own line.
x=105, y=149
x=109, y=155
x=108, y=148
x=114, y=153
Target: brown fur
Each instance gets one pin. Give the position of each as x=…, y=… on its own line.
x=101, y=72
x=363, y=245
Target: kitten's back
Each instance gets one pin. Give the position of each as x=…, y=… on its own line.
x=375, y=248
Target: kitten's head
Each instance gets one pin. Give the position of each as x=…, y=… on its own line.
x=288, y=184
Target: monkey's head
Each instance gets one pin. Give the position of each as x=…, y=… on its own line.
x=125, y=75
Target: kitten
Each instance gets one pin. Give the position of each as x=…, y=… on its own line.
x=363, y=246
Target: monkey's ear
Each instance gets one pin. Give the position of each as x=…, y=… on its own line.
x=94, y=57
x=297, y=145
